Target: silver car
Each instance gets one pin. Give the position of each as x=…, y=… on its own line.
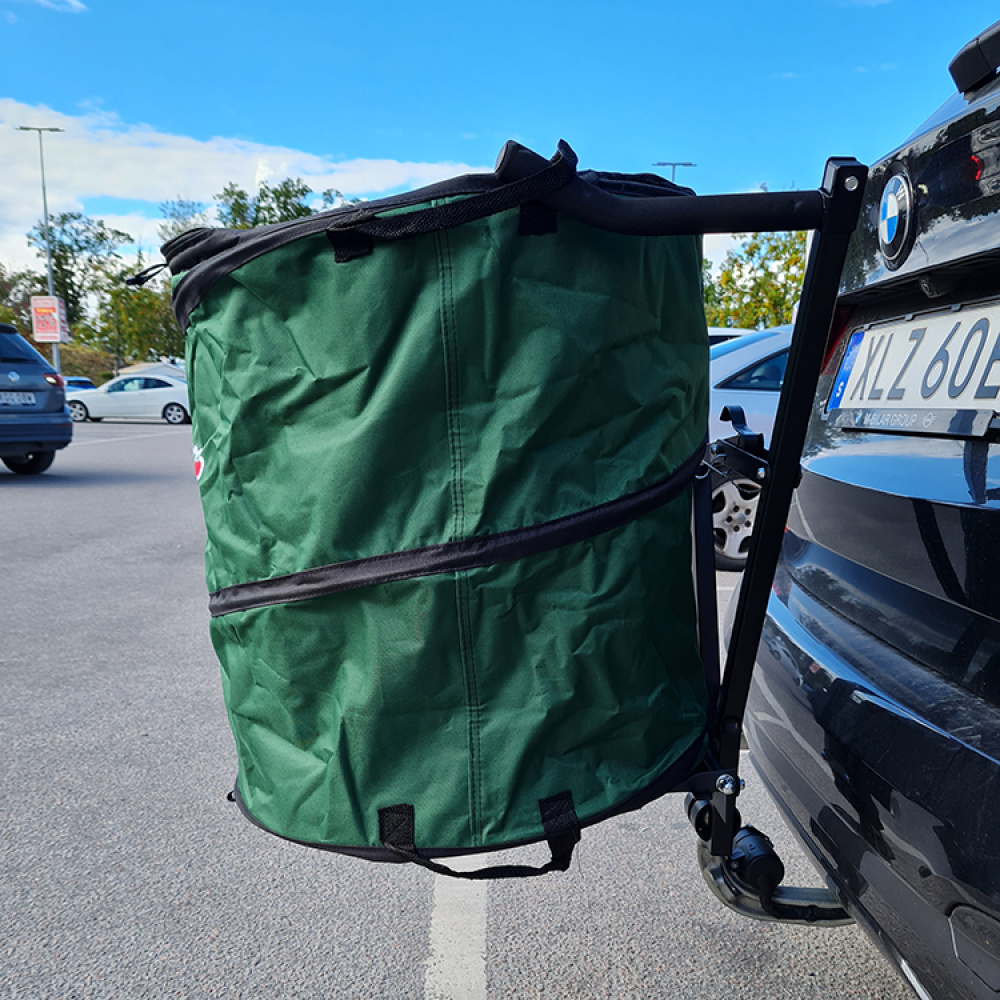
x=747, y=371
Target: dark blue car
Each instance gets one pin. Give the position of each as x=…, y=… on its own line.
x=874, y=716
x=34, y=421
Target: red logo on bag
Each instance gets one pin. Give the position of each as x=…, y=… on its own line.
x=199, y=463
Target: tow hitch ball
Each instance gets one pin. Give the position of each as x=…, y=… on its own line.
x=749, y=879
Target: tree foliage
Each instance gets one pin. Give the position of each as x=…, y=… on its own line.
x=758, y=283
x=112, y=323
x=138, y=324
x=238, y=209
x=16, y=289
x=81, y=249
x=281, y=203
x=179, y=216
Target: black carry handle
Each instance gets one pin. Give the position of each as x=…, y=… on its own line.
x=559, y=821
x=670, y=215
x=524, y=176
x=362, y=226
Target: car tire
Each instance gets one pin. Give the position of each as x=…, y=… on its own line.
x=77, y=411
x=734, y=511
x=29, y=465
x=175, y=414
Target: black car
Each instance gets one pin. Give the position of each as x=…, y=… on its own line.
x=34, y=421
x=874, y=716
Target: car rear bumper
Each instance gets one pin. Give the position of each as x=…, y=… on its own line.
x=899, y=813
x=43, y=432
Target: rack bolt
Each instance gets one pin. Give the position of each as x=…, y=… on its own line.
x=726, y=784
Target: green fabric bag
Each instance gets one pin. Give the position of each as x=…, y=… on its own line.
x=445, y=445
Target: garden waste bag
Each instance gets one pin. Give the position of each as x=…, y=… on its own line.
x=445, y=445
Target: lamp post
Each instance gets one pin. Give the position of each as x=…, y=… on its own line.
x=673, y=164
x=45, y=211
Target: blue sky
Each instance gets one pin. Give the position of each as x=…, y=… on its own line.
x=173, y=100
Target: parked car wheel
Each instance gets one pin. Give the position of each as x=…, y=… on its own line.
x=77, y=411
x=174, y=413
x=734, y=510
x=29, y=465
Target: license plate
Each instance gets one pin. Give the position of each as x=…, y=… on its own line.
x=17, y=399
x=932, y=374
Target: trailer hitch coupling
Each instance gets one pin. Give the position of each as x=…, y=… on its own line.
x=749, y=879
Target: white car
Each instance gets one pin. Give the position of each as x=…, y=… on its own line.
x=747, y=371
x=132, y=396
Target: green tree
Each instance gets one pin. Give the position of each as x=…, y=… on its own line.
x=16, y=289
x=709, y=291
x=81, y=248
x=138, y=323
x=179, y=216
x=284, y=201
x=335, y=198
x=131, y=324
x=759, y=282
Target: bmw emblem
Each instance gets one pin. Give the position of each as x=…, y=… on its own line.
x=14, y=376
x=895, y=219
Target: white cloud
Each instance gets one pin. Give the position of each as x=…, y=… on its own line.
x=99, y=156
x=64, y=6
x=715, y=248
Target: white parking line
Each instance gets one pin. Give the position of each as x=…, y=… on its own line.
x=130, y=437
x=456, y=965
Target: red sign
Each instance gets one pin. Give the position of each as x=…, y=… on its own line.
x=48, y=319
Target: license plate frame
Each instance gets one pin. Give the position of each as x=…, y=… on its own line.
x=936, y=373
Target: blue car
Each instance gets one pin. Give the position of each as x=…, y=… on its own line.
x=34, y=421
x=874, y=716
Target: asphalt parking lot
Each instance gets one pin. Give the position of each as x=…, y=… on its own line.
x=127, y=874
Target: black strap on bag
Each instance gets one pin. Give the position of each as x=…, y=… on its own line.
x=353, y=234
x=396, y=825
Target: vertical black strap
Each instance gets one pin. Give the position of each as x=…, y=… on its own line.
x=397, y=824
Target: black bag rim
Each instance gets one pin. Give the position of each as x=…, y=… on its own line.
x=671, y=779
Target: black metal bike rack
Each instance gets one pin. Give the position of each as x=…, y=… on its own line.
x=831, y=213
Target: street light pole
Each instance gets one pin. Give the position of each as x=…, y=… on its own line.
x=45, y=211
x=673, y=164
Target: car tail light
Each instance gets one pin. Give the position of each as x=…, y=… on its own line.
x=54, y=378
x=841, y=321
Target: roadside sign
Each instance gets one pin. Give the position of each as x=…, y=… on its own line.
x=48, y=320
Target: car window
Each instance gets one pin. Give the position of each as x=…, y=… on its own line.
x=13, y=347
x=766, y=375
x=155, y=383
x=126, y=385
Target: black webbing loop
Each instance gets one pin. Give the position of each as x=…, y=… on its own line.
x=557, y=173
x=396, y=826
x=349, y=244
x=537, y=219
